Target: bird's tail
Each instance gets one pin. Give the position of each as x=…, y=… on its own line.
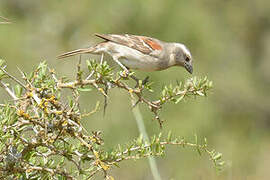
x=75, y=52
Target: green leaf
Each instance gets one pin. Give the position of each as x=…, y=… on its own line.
x=29, y=155
x=84, y=89
x=18, y=90
x=140, y=140
x=197, y=145
x=70, y=102
x=2, y=62
x=217, y=156
x=2, y=74
x=205, y=142
x=42, y=68
x=169, y=137
x=200, y=93
x=179, y=99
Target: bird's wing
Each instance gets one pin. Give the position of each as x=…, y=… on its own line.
x=143, y=44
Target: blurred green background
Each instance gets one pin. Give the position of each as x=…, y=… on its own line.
x=230, y=43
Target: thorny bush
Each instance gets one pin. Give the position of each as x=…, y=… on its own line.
x=41, y=132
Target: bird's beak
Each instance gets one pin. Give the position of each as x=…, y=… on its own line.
x=188, y=67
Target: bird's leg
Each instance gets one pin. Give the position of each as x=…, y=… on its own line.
x=126, y=71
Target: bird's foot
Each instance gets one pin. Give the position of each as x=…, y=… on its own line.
x=125, y=73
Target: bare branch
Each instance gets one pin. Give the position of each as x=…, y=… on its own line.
x=7, y=21
x=13, y=78
x=6, y=88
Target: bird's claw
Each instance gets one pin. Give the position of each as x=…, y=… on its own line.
x=124, y=73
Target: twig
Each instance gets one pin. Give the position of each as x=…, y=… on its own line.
x=74, y=84
x=7, y=105
x=13, y=78
x=6, y=88
x=5, y=19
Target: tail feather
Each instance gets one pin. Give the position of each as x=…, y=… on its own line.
x=75, y=52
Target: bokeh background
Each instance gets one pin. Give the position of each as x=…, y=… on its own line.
x=230, y=43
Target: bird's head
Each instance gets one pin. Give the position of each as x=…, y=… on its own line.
x=182, y=57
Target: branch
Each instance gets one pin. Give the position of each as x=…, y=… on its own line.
x=5, y=19
x=6, y=88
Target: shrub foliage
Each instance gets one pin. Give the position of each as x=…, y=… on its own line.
x=41, y=135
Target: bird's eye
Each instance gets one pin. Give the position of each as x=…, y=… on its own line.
x=187, y=59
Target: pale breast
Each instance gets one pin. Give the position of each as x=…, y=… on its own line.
x=134, y=59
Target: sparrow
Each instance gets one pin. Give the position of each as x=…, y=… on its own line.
x=139, y=52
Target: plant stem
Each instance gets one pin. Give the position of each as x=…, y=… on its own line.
x=140, y=123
